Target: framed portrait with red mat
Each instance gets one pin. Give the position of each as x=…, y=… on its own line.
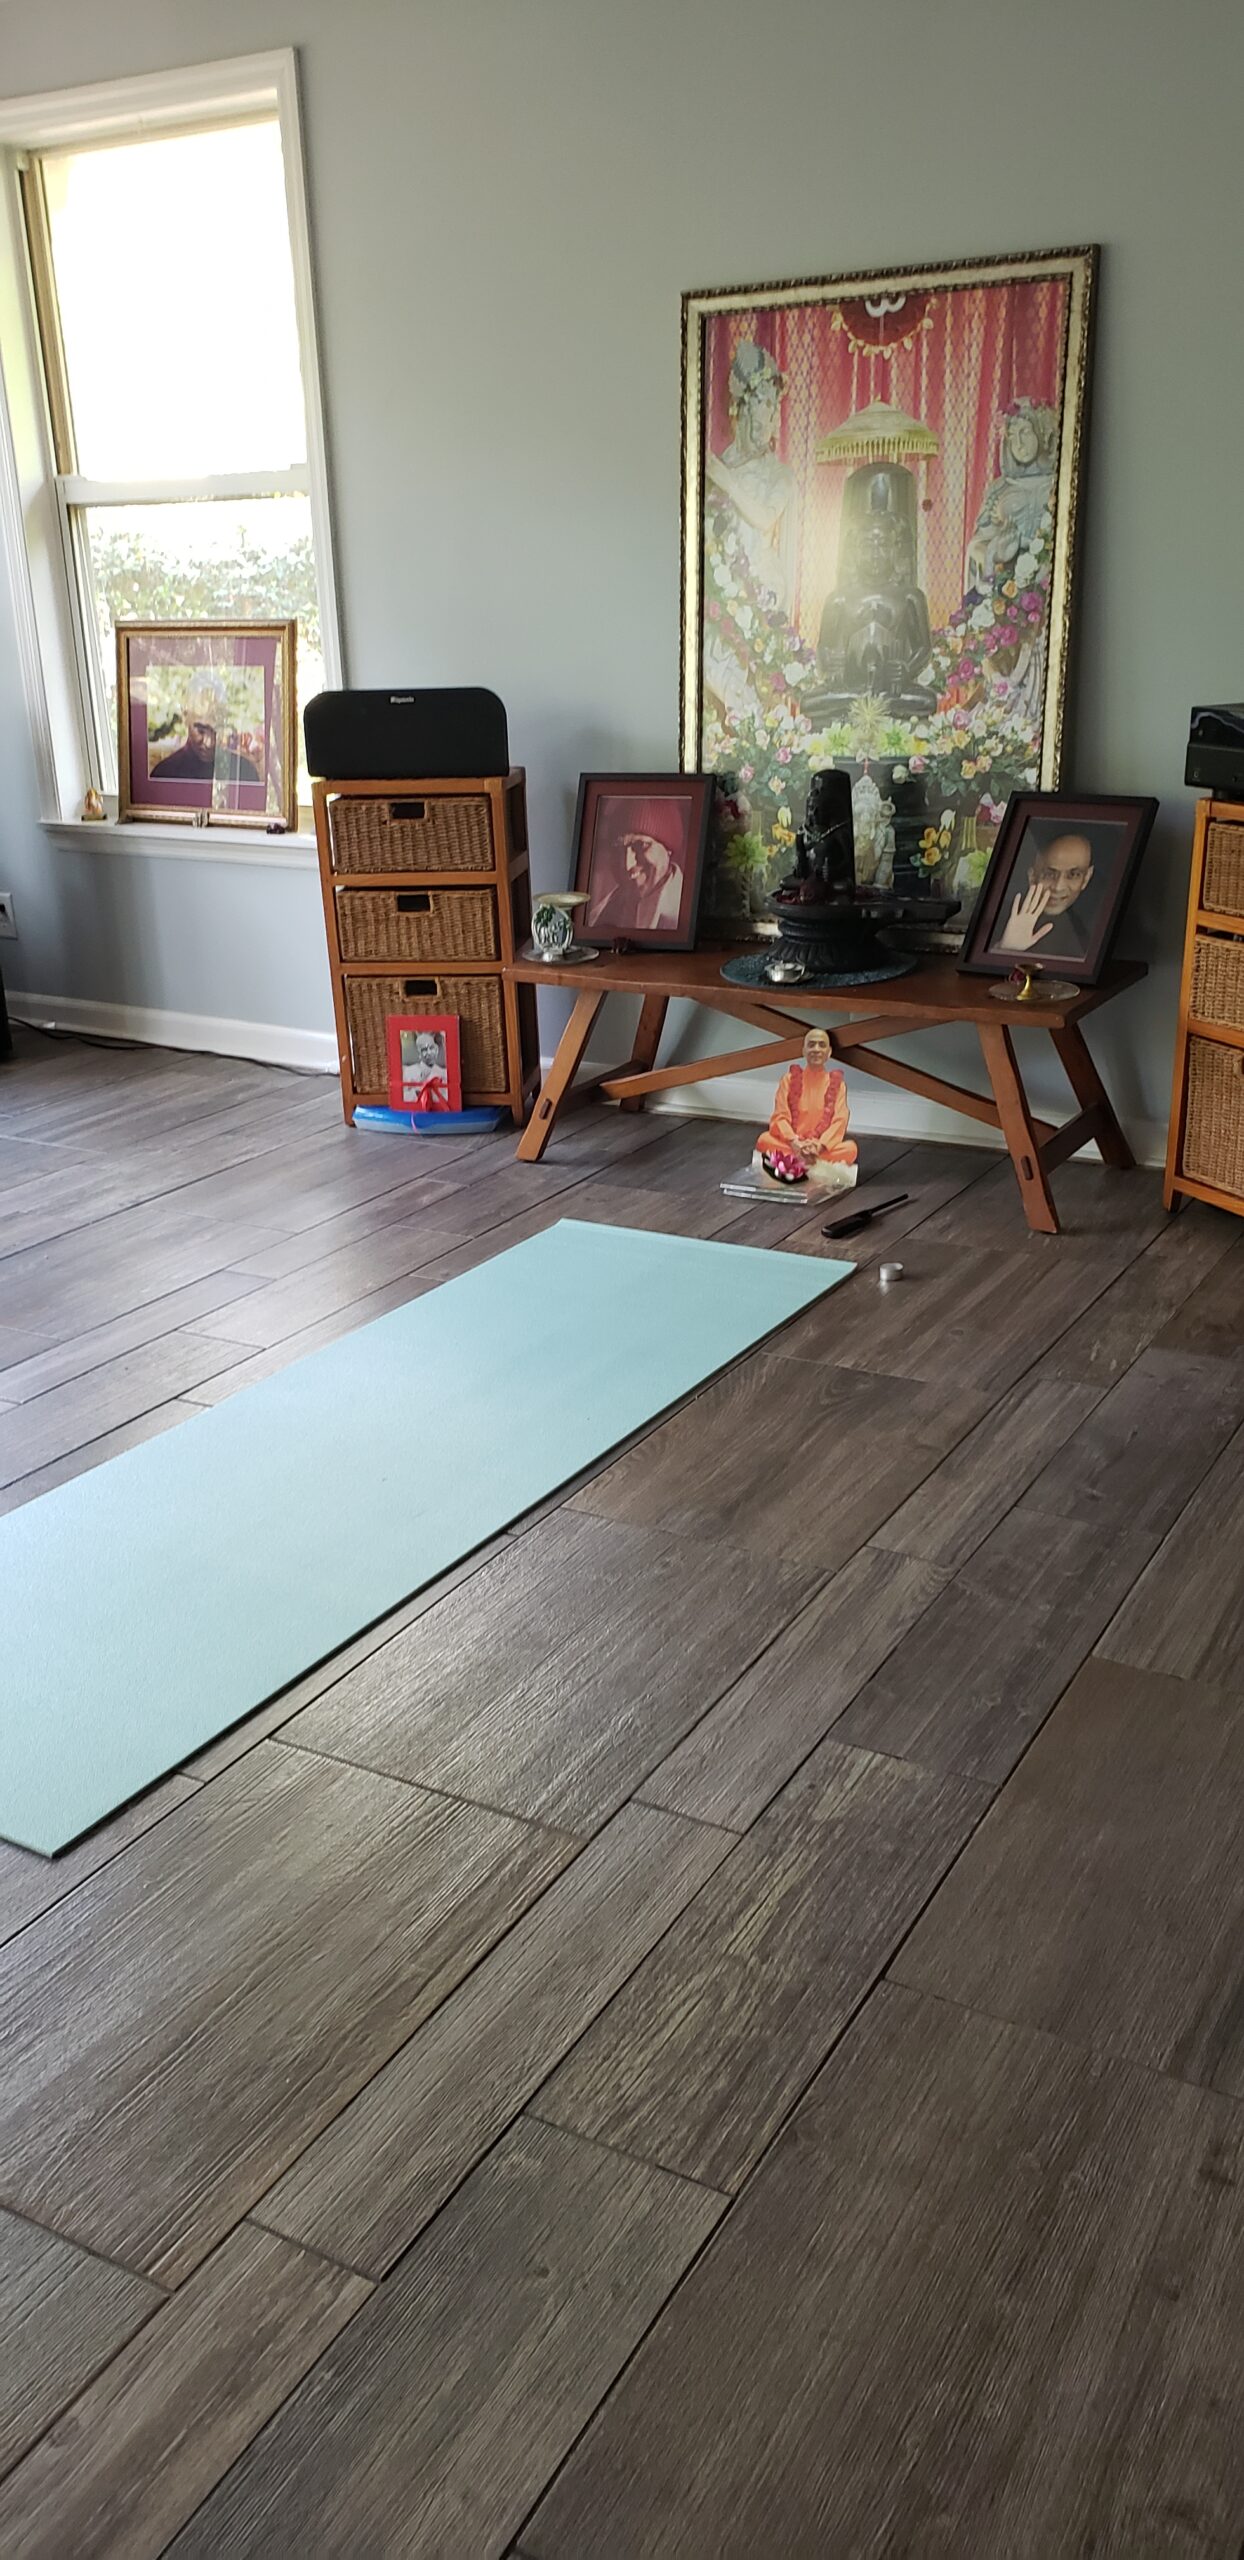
x=424, y=1056
x=640, y=843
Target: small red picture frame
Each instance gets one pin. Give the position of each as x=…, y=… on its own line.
x=425, y=1071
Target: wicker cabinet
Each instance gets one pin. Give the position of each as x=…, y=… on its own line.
x=1205, y=1149
x=426, y=896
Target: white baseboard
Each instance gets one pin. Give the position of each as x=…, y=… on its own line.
x=270, y=1044
x=877, y=1111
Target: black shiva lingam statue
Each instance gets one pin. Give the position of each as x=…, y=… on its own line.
x=828, y=924
x=875, y=635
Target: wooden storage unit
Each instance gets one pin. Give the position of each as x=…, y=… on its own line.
x=1205, y=1148
x=427, y=897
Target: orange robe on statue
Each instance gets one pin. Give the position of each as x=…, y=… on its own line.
x=810, y=1109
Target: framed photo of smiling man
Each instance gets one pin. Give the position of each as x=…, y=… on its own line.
x=1057, y=883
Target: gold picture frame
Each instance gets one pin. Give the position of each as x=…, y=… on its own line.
x=865, y=460
x=207, y=723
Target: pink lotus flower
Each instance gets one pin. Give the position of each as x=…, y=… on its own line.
x=786, y=1167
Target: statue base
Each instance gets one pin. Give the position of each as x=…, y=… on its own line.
x=834, y=942
x=765, y=969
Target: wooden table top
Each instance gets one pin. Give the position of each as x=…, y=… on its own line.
x=935, y=991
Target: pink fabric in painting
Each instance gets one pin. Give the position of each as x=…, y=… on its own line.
x=984, y=346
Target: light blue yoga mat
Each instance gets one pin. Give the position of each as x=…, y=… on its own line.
x=146, y=1607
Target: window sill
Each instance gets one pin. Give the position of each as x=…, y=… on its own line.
x=187, y=844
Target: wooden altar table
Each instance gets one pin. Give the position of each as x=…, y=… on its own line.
x=934, y=994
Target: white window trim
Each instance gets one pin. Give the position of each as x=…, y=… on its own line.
x=30, y=526
x=186, y=844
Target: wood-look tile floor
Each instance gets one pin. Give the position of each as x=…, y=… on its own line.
x=719, y=2029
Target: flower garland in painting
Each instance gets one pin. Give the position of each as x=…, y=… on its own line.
x=766, y=743
x=982, y=740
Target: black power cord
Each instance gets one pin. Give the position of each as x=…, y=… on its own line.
x=103, y=1040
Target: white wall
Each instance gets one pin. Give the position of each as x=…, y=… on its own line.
x=507, y=198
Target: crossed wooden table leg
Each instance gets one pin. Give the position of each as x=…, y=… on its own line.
x=1035, y=1146
x=630, y=1085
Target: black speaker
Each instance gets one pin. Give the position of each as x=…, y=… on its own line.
x=1216, y=749
x=437, y=730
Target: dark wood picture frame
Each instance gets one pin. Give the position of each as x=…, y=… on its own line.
x=606, y=919
x=1057, y=815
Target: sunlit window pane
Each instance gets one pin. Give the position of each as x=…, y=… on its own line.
x=175, y=287
x=219, y=560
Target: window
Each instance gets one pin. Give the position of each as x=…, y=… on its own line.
x=178, y=389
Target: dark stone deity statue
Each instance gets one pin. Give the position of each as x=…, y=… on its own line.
x=874, y=635
x=827, y=925
x=825, y=845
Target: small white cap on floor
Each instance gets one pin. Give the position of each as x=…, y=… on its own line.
x=889, y=1271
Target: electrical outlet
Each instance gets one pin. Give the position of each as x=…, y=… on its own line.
x=8, y=921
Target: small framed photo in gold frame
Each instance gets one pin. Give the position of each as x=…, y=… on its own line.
x=206, y=723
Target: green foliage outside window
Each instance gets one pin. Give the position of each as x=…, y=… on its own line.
x=136, y=583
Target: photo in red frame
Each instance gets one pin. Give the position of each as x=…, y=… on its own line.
x=425, y=1071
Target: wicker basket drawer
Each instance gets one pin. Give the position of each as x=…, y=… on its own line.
x=1218, y=981
x=476, y=1001
x=417, y=924
x=441, y=833
x=1213, y=1149
x=1223, y=885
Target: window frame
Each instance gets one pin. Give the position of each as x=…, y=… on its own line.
x=45, y=542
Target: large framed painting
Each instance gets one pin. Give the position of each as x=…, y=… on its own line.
x=881, y=486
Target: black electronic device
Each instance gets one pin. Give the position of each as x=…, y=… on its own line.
x=854, y=1219
x=403, y=734
x=1216, y=749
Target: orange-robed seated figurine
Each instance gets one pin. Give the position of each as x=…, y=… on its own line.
x=808, y=1122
